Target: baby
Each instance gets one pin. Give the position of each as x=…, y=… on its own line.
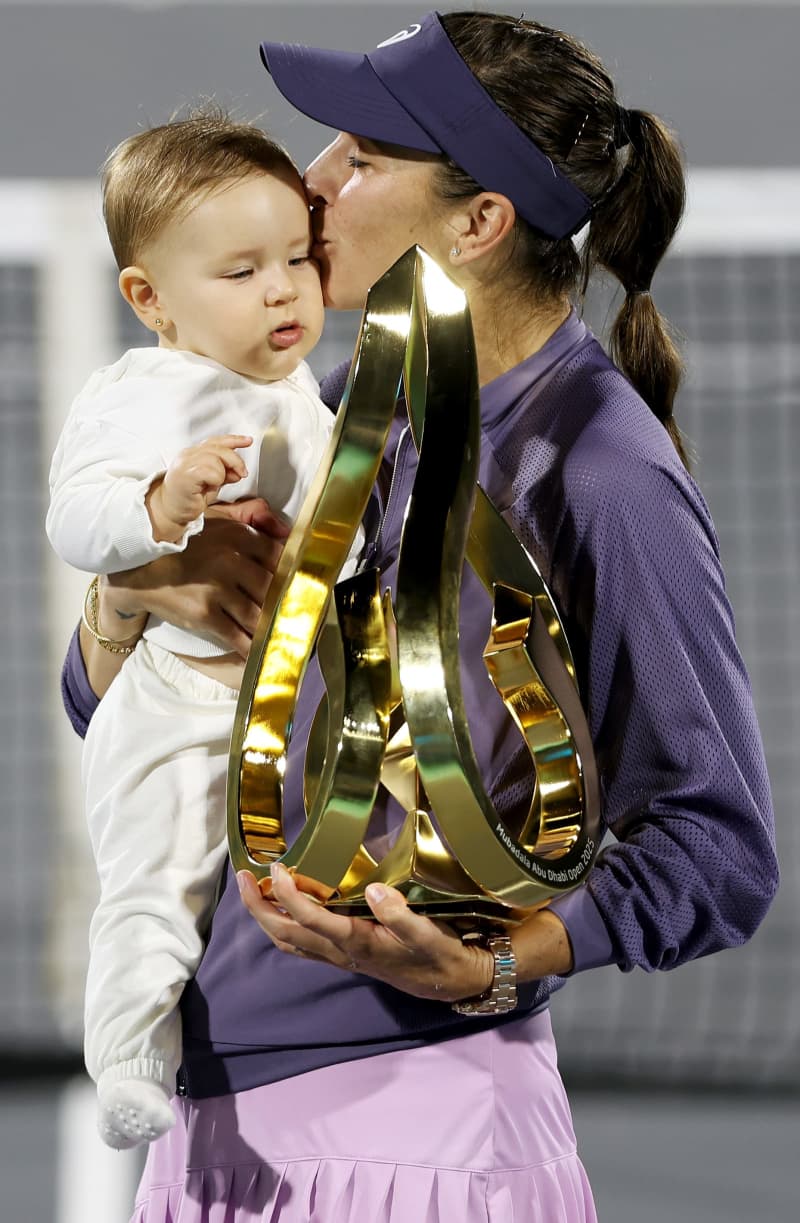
x=209, y=225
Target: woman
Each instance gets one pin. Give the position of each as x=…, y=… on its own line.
x=327, y=1075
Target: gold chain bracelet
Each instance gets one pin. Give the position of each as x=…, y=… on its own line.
x=89, y=617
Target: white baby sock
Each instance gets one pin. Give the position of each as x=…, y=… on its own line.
x=133, y=1111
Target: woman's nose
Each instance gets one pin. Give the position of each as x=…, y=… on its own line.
x=318, y=178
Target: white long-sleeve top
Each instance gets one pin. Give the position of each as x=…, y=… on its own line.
x=133, y=417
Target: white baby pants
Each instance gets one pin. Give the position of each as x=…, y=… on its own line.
x=154, y=770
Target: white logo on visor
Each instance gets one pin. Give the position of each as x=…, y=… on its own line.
x=400, y=37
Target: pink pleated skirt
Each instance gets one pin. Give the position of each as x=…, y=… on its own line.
x=473, y=1130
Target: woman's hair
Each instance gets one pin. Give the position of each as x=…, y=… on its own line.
x=627, y=163
x=157, y=176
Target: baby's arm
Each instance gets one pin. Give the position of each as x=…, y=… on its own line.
x=100, y=476
x=192, y=482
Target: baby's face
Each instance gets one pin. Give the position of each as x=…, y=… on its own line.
x=235, y=279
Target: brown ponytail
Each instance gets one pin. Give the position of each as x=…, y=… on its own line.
x=647, y=202
x=558, y=92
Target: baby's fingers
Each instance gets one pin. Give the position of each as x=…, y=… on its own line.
x=230, y=441
x=206, y=471
x=233, y=466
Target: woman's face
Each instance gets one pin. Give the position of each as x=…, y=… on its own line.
x=370, y=204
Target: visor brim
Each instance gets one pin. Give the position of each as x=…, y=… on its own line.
x=341, y=90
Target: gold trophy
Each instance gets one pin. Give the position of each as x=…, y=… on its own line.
x=394, y=713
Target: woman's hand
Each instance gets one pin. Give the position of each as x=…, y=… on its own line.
x=402, y=948
x=414, y=954
x=216, y=585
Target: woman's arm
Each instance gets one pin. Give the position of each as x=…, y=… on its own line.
x=107, y=634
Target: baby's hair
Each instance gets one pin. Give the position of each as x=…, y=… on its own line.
x=157, y=176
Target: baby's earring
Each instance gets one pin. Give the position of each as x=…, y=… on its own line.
x=159, y=322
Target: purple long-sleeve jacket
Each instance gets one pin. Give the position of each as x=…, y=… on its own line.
x=590, y=482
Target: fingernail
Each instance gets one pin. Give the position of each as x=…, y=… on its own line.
x=241, y=880
x=376, y=892
x=275, y=870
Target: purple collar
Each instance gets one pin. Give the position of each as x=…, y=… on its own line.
x=500, y=395
x=416, y=90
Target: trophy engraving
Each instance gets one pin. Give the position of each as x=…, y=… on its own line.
x=395, y=715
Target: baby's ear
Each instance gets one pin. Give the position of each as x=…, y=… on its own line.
x=142, y=297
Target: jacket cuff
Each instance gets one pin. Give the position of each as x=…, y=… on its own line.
x=80, y=701
x=586, y=930
x=133, y=543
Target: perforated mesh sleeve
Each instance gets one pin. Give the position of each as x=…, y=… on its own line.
x=633, y=559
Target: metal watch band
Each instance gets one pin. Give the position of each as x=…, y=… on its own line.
x=501, y=996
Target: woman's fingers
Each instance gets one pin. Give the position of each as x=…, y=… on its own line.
x=243, y=543
x=286, y=932
x=241, y=603
x=262, y=551
x=228, y=632
x=254, y=512
x=402, y=948
x=305, y=909
x=392, y=911
x=237, y=616
x=270, y=918
x=401, y=940
x=417, y=933
x=264, y=910
x=244, y=582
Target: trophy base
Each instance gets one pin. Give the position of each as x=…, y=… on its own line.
x=432, y=882
x=461, y=912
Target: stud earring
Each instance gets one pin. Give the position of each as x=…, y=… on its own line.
x=455, y=251
x=159, y=322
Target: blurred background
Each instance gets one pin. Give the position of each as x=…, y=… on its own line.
x=684, y=1085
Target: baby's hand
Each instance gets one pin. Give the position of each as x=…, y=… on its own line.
x=192, y=482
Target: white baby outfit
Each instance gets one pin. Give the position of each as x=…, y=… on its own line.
x=155, y=756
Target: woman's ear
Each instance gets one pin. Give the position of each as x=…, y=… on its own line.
x=480, y=226
x=142, y=297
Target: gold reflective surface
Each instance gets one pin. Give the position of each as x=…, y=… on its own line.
x=394, y=713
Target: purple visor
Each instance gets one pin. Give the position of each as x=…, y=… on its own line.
x=416, y=90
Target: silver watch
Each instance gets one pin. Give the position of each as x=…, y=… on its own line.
x=501, y=996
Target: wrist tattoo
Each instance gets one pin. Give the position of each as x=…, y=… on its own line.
x=126, y=615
